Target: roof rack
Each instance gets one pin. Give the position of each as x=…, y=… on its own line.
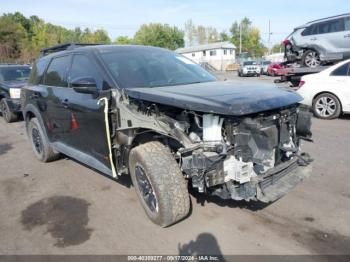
x=62, y=47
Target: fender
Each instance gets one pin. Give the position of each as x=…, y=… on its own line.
x=32, y=109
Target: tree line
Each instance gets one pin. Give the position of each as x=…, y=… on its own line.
x=22, y=38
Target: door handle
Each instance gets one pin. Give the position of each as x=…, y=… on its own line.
x=65, y=103
x=313, y=39
x=348, y=35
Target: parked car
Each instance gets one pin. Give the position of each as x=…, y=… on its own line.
x=328, y=92
x=263, y=67
x=165, y=121
x=12, y=78
x=273, y=67
x=320, y=41
x=249, y=68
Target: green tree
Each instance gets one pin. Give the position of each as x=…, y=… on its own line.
x=199, y=34
x=123, y=40
x=161, y=35
x=251, y=39
x=100, y=36
x=224, y=36
x=12, y=35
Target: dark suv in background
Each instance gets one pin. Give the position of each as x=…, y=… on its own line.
x=165, y=121
x=321, y=41
x=12, y=78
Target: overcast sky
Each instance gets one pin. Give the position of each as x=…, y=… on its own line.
x=124, y=17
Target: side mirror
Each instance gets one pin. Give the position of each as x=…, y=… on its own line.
x=85, y=85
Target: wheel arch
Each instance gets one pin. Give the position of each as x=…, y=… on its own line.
x=30, y=112
x=148, y=135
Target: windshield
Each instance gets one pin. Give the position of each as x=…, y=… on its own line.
x=14, y=74
x=151, y=67
x=249, y=63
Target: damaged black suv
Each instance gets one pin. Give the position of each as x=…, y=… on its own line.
x=165, y=121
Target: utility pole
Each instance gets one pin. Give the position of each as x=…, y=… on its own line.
x=240, y=37
x=269, y=41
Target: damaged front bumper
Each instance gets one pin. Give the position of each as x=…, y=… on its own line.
x=269, y=187
x=14, y=105
x=279, y=184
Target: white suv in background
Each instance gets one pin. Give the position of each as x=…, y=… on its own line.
x=320, y=41
x=327, y=92
x=249, y=68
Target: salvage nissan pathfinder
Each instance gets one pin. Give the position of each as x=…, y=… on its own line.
x=162, y=119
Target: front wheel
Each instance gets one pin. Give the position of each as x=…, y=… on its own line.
x=8, y=116
x=326, y=106
x=311, y=58
x=159, y=183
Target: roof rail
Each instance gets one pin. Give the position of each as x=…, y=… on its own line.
x=62, y=47
x=330, y=17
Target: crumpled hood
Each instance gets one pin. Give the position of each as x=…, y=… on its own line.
x=13, y=84
x=228, y=97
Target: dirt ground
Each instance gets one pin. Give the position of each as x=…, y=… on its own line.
x=66, y=208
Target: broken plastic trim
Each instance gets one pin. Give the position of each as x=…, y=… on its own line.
x=114, y=173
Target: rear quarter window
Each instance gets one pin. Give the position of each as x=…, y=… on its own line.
x=310, y=30
x=37, y=72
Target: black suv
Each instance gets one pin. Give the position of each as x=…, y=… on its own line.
x=165, y=121
x=12, y=78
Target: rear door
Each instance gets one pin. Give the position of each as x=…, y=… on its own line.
x=54, y=89
x=331, y=38
x=346, y=38
x=340, y=81
x=87, y=129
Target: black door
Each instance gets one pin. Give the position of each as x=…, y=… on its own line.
x=87, y=129
x=55, y=84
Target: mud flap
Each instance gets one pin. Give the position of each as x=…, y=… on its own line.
x=283, y=185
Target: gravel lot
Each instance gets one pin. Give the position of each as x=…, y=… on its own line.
x=66, y=208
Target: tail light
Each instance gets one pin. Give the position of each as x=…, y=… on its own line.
x=285, y=42
x=301, y=83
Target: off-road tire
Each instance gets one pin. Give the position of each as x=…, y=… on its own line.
x=8, y=116
x=166, y=179
x=46, y=154
x=337, y=110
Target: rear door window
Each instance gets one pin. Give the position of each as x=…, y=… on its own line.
x=342, y=70
x=56, y=74
x=332, y=26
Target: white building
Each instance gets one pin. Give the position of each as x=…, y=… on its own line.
x=218, y=55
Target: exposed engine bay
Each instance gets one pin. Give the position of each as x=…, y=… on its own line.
x=233, y=157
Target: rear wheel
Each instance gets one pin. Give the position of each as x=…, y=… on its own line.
x=326, y=106
x=6, y=112
x=40, y=144
x=159, y=183
x=311, y=58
